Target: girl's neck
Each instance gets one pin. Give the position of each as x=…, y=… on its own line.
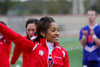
x=50, y=44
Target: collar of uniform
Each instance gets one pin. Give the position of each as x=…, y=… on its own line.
x=49, y=44
x=43, y=42
x=92, y=27
x=33, y=37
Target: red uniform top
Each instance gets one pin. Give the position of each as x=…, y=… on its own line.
x=25, y=56
x=5, y=46
x=38, y=52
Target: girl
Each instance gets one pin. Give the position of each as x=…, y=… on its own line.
x=31, y=35
x=5, y=47
x=47, y=53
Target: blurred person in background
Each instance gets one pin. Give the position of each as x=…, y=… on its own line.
x=90, y=40
x=30, y=26
x=5, y=48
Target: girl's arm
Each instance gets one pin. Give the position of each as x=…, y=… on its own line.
x=16, y=54
x=8, y=33
x=25, y=44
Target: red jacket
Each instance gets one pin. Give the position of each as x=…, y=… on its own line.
x=38, y=52
x=5, y=46
x=25, y=56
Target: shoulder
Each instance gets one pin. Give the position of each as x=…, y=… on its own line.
x=98, y=26
x=65, y=53
x=85, y=27
x=25, y=36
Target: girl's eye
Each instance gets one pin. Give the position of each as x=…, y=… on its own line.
x=53, y=30
x=33, y=30
x=28, y=29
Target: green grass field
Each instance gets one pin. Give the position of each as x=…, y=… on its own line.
x=72, y=45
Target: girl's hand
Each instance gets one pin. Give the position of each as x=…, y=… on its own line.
x=85, y=32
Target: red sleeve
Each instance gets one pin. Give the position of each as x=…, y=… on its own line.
x=16, y=54
x=26, y=45
x=66, y=60
x=8, y=33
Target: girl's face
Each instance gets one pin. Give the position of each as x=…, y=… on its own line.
x=52, y=34
x=31, y=28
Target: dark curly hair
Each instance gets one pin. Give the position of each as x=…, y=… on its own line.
x=43, y=26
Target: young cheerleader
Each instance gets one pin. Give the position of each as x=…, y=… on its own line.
x=47, y=53
x=31, y=35
x=5, y=46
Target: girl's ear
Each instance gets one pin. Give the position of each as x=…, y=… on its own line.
x=43, y=34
